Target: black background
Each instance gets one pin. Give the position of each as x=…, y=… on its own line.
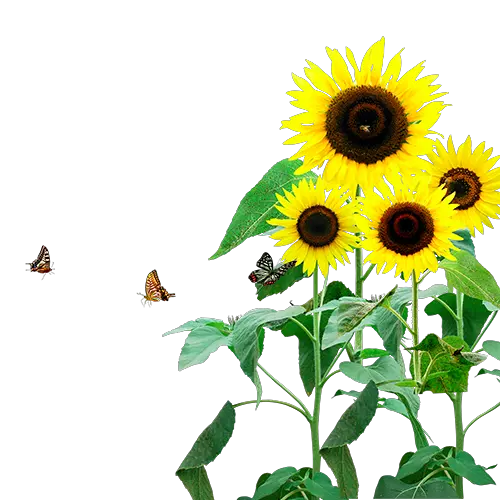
x=207, y=114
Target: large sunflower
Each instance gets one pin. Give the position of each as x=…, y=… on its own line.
x=409, y=227
x=363, y=126
x=318, y=225
x=470, y=177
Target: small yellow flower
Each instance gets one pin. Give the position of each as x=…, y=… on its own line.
x=471, y=178
x=410, y=227
x=318, y=225
x=366, y=126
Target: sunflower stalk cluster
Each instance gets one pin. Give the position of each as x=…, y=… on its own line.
x=367, y=184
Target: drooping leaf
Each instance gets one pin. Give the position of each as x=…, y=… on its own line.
x=492, y=347
x=245, y=338
x=206, y=449
x=291, y=277
x=391, y=487
x=274, y=482
x=321, y=486
x=446, y=358
x=335, y=290
x=372, y=353
x=340, y=462
x=475, y=315
x=464, y=465
x=259, y=205
x=355, y=419
x=483, y=371
x=417, y=461
x=466, y=243
x=200, y=343
x=191, y=325
x=470, y=277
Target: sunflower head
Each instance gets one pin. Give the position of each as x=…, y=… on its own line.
x=364, y=125
x=410, y=227
x=470, y=177
x=318, y=225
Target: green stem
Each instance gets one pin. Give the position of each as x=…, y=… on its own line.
x=405, y=323
x=414, y=330
x=368, y=272
x=292, y=493
x=317, y=378
x=424, y=275
x=284, y=403
x=358, y=253
x=493, y=316
x=306, y=330
x=329, y=376
x=480, y=416
x=288, y=391
x=447, y=307
x=457, y=403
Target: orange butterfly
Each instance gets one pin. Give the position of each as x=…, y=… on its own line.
x=154, y=291
x=42, y=263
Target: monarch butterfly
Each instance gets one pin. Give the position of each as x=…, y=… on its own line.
x=267, y=274
x=154, y=290
x=42, y=263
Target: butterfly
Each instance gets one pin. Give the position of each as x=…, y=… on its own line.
x=154, y=290
x=267, y=274
x=42, y=263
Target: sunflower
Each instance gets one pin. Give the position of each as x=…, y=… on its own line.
x=366, y=126
x=409, y=227
x=318, y=225
x=470, y=177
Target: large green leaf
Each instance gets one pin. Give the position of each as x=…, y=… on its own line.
x=355, y=419
x=191, y=325
x=274, y=482
x=475, y=315
x=321, y=486
x=200, y=343
x=340, y=462
x=291, y=277
x=417, y=461
x=464, y=465
x=390, y=487
x=205, y=450
x=335, y=290
x=246, y=334
x=449, y=366
x=466, y=243
x=492, y=347
x=258, y=205
x=470, y=277
x=350, y=313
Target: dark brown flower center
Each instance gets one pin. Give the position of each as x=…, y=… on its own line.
x=406, y=228
x=366, y=124
x=318, y=226
x=465, y=184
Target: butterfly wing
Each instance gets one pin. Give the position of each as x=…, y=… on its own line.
x=42, y=263
x=165, y=295
x=153, y=287
x=278, y=272
x=265, y=265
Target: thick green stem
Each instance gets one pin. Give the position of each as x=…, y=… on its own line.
x=414, y=330
x=358, y=254
x=457, y=403
x=317, y=378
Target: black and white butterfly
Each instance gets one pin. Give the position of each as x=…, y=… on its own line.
x=267, y=274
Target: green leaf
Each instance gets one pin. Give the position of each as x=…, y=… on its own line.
x=200, y=343
x=205, y=450
x=191, y=325
x=447, y=359
x=395, y=405
x=340, y=462
x=212, y=440
x=483, y=371
x=390, y=487
x=259, y=205
x=474, y=312
x=372, y=353
x=335, y=290
x=470, y=277
x=355, y=419
x=197, y=483
x=274, y=482
x=466, y=243
x=246, y=334
x=321, y=486
x=465, y=466
x=492, y=347
x=417, y=461
x=291, y=277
